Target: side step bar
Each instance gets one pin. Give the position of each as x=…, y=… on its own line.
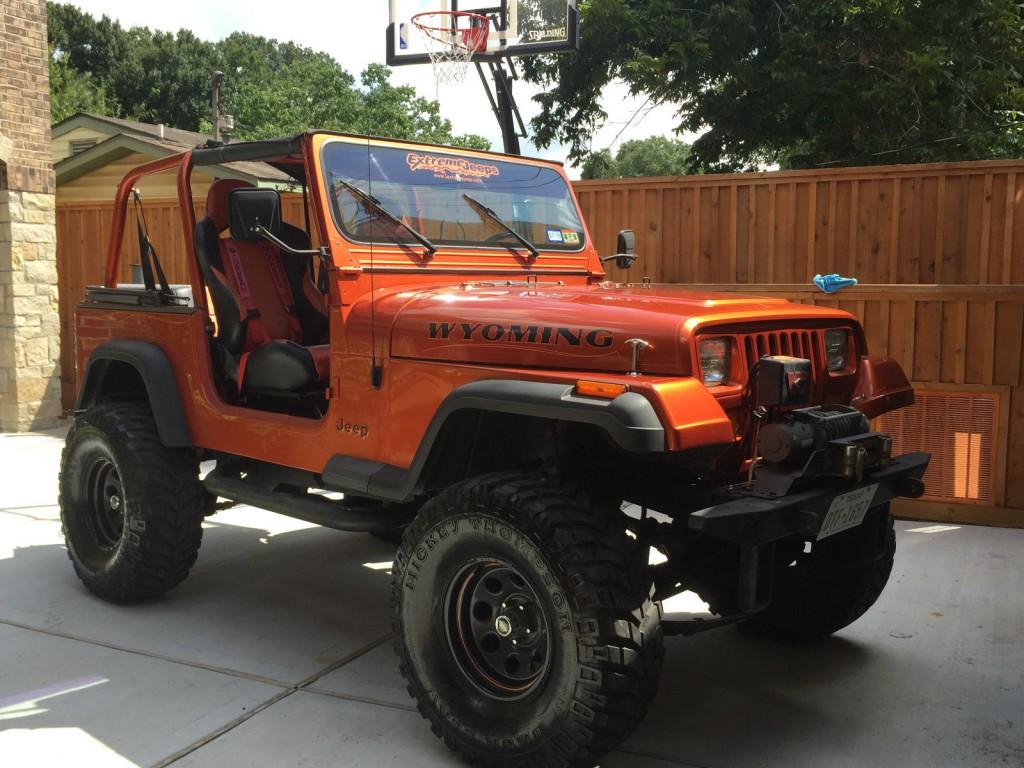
x=364, y=518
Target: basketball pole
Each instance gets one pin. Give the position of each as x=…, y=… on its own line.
x=503, y=103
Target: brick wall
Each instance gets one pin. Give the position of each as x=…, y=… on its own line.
x=29, y=325
x=25, y=95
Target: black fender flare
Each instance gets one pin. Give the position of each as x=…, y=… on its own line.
x=157, y=376
x=629, y=420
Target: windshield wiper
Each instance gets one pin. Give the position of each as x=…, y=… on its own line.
x=486, y=212
x=372, y=202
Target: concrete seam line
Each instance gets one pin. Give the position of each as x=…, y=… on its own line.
x=230, y=726
x=159, y=657
x=332, y=667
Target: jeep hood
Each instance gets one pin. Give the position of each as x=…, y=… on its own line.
x=582, y=328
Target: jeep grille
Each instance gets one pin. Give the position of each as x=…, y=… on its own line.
x=805, y=344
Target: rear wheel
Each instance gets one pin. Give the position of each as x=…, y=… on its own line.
x=131, y=508
x=518, y=631
x=820, y=592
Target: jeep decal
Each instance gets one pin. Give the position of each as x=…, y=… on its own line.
x=521, y=333
x=453, y=168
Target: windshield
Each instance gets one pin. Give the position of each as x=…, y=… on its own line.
x=425, y=190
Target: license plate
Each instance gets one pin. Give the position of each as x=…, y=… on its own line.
x=847, y=510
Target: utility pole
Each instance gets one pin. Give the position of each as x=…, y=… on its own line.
x=218, y=77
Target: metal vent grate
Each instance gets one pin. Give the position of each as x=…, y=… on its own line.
x=959, y=429
x=81, y=145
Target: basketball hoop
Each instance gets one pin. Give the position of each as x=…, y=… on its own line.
x=452, y=39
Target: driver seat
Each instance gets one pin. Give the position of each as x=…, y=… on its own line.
x=271, y=318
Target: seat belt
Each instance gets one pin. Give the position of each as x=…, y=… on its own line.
x=279, y=277
x=148, y=259
x=256, y=332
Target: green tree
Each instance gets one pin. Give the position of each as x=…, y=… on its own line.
x=599, y=165
x=73, y=91
x=803, y=82
x=164, y=78
x=389, y=110
x=271, y=88
x=653, y=156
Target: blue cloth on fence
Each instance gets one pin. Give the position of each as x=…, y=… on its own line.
x=832, y=283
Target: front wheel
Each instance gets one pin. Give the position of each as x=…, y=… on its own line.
x=517, y=628
x=820, y=592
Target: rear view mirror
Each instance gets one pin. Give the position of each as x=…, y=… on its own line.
x=627, y=250
x=627, y=242
x=254, y=213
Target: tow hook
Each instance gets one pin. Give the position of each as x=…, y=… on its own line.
x=912, y=488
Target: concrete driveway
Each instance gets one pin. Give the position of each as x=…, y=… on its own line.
x=275, y=653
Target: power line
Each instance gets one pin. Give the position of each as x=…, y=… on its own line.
x=630, y=121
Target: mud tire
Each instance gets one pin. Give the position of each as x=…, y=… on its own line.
x=145, y=543
x=606, y=639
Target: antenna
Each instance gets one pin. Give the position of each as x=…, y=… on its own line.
x=218, y=78
x=376, y=371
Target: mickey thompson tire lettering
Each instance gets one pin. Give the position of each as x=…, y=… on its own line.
x=153, y=545
x=606, y=640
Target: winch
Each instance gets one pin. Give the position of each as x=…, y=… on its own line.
x=807, y=430
x=799, y=445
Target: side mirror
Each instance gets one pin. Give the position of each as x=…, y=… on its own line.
x=254, y=213
x=627, y=242
x=626, y=250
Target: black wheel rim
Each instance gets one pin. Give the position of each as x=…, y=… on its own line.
x=104, y=498
x=498, y=630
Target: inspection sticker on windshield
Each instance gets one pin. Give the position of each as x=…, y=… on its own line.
x=847, y=510
x=555, y=236
x=571, y=236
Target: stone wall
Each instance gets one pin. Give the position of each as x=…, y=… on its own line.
x=29, y=324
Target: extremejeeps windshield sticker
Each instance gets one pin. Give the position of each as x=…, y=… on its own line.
x=517, y=333
x=451, y=168
x=555, y=236
x=571, y=236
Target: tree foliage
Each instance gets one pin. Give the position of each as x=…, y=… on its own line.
x=271, y=88
x=72, y=91
x=653, y=156
x=801, y=82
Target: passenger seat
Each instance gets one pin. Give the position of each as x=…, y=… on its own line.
x=272, y=320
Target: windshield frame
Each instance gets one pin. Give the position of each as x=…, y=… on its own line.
x=403, y=244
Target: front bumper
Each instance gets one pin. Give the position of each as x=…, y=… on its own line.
x=750, y=521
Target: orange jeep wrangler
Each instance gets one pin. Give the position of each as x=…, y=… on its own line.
x=558, y=454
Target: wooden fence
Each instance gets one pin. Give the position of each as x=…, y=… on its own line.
x=947, y=223
x=938, y=249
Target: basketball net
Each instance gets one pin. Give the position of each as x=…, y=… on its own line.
x=452, y=38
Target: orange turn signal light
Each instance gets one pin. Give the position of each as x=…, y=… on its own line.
x=600, y=389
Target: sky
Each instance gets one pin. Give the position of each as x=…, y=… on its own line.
x=353, y=32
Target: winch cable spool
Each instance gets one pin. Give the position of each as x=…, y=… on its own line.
x=807, y=430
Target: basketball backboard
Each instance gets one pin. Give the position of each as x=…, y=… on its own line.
x=517, y=27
